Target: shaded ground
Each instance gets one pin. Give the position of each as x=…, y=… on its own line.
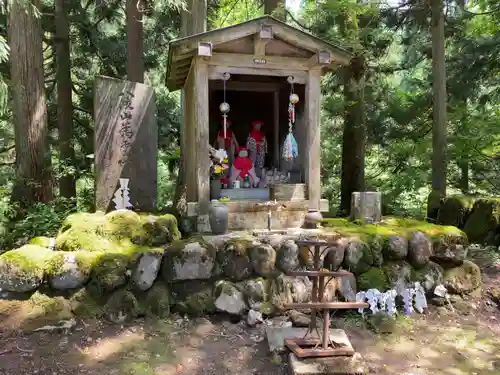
x=466, y=341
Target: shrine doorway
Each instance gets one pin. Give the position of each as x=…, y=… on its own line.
x=259, y=98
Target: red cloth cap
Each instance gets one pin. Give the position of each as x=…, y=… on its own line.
x=257, y=122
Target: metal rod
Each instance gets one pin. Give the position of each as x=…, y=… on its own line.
x=326, y=329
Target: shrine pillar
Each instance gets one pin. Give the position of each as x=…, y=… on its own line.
x=312, y=144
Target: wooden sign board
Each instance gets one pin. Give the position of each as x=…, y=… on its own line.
x=125, y=142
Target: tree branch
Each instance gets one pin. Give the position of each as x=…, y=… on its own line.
x=289, y=14
x=8, y=148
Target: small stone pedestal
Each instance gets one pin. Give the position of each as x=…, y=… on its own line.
x=353, y=365
x=366, y=206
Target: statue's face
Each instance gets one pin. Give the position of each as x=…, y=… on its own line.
x=243, y=154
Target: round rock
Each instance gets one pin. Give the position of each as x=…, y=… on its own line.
x=287, y=258
x=419, y=249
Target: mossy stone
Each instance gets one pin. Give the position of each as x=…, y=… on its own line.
x=430, y=276
x=455, y=210
x=156, y=230
x=46, y=310
x=76, y=239
x=463, y=279
x=22, y=270
x=121, y=224
x=193, y=297
x=433, y=204
x=375, y=277
x=358, y=256
x=70, y=270
x=122, y=305
x=398, y=273
x=156, y=301
x=484, y=218
x=234, y=259
x=84, y=305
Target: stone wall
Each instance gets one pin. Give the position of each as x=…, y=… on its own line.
x=122, y=265
x=478, y=217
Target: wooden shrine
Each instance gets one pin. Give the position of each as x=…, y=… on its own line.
x=266, y=60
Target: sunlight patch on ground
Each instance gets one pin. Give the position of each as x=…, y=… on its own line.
x=110, y=346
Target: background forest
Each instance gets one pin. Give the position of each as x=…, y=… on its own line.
x=418, y=109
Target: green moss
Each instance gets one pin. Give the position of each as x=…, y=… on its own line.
x=373, y=278
x=40, y=241
x=84, y=305
x=484, y=218
x=455, y=209
x=86, y=260
x=75, y=239
x=194, y=297
x=157, y=301
x=22, y=269
x=46, y=310
x=121, y=224
x=398, y=272
x=156, y=231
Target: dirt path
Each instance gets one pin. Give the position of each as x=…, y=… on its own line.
x=439, y=342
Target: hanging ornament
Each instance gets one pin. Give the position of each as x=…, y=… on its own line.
x=290, y=148
x=224, y=106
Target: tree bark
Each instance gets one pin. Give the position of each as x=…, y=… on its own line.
x=439, y=163
x=67, y=184
x=276, y=8
x=464, y=176
x=34, y=182
x=193, y=21
x=354, y=133
x=135, y=41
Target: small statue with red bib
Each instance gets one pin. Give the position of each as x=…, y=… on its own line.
x=228, y=143
x=257, y=146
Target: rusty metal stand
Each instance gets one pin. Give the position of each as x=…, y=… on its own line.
x=322, y=345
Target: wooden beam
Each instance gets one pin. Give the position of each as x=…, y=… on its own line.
x=312, y=151
x=215, y=72
x=202, y=142
x=205, y=49
x=246, y=86
x=276, y=118
x=266, y=32
x=249, y=61
x=259, y=46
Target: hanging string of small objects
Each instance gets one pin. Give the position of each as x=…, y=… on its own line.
x=224, y=106
x=290, y=148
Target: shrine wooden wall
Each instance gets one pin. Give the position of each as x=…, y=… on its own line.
x=125, y=142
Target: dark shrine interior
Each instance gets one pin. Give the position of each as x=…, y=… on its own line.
x=248, y=106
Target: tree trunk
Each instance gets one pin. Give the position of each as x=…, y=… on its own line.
x=193, y=21
x=34, y=182
x=439, y=99
x=276, y=8
x=354, y=134
x=135, y=41
x=67, y=185
x=464, y=176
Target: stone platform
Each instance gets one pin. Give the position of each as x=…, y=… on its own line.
x=354, y=365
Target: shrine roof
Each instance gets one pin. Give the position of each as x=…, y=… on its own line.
x=228, y=39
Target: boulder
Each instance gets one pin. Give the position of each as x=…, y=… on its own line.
x=263, y=259
x=156, y=301
x=286, y=289
x=396, y=248
x=122, y=305
x=484, y=218
x=419, y=249
x=46, y=310
x=255, y=291
x=399, y=275
x=463, y=279
x=376, y=244
x=234, y=261
x=70, y=270
x=22, y=270
x=455, y=210
x=109, y=272
x=146, y=270
x=430, y=276
x=156, y=230
x=347, y=287
x=358, y=256
x=335, y=255
x=287, y=257
x=47, y=242
x=84, y=305
x=449, y=255
x=228, y=298
x=193, y=297
x=276, y=240
x=188, y=260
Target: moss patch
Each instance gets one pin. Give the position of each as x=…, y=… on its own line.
x=82, y=304
x=46, y=310
x=121, y=306
x=454, y=210
x=22, y=270
x=373, y=278
x=194, y=297
x=156, y=301
x=41, y=241
x=463, y=279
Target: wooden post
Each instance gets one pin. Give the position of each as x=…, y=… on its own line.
x=312, y=150
x=276, y=108
x=202, y=142
x=126, y=142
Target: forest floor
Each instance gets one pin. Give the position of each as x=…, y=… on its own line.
x=464, y=341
